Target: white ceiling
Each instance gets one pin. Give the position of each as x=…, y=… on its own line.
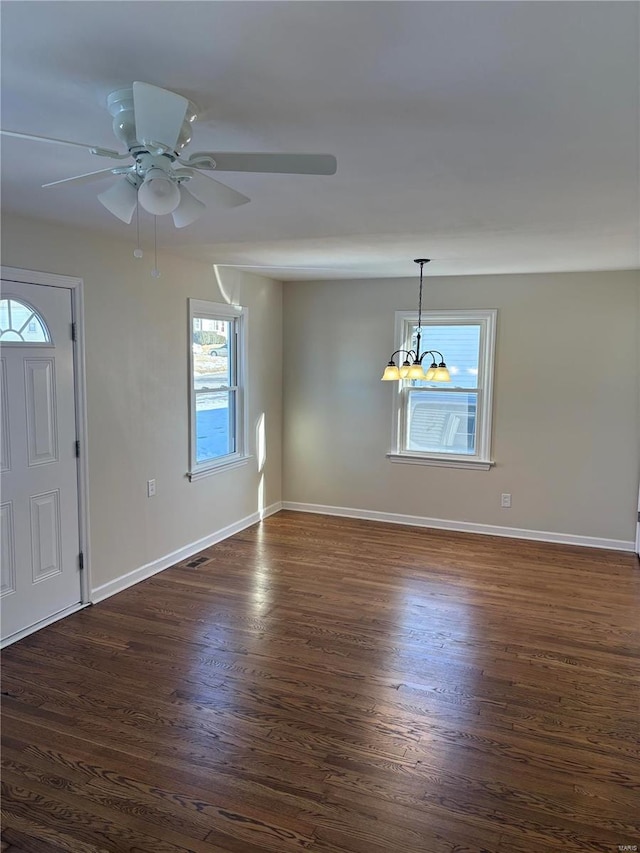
x=493, y=137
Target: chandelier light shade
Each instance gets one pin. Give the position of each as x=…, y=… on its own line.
x=412, y=366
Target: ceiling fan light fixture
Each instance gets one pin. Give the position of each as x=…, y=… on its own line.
x=159, y=194
x=189, y=209
x=120, y=199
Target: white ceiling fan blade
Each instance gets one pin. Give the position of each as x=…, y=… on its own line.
x=292, y=164
x=81, y=179
x=189, y=209
x=120, y=199
x=216, y=193
x=158, y=115
x=94, y=149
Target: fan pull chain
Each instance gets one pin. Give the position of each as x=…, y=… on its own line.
x=137, y=252
x=155, y=272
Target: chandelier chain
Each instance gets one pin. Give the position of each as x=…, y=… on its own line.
x=420, y=301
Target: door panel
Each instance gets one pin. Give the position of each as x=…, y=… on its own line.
x=46, y=557
x=42, y=443
x=7, y=553
x=39, y=519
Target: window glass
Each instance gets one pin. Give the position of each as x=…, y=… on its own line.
x=214, y=425
x=442, y=423
x=460, y=346
x=212, y=383
x=20, y=323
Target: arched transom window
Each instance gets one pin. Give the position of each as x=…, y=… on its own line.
x=20, y=323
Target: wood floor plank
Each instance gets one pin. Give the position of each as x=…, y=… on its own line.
x=41, y=839
x=335, y=686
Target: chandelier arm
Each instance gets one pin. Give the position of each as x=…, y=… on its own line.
x=431, y=352
x=405, y=351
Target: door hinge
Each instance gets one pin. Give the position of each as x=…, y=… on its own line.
x=74, y=332
x=81, y=561
x=77, y=450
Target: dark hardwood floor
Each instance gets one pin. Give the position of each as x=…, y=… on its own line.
x=335, y=686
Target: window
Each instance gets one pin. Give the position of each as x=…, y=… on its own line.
x=21, y=324
x=217, y=359
x=447, y=423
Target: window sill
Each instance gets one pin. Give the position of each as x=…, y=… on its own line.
x=440, y=462
x=236, y=462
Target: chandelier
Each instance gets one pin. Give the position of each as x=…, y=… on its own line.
x=412, y=367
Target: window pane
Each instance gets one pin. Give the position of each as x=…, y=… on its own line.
x=439, y=422
x=212, y=369
x=460, y=346
x=212, y=365
x=215, y=417
x=19, y=322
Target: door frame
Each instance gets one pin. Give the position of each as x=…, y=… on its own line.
x=76, y=287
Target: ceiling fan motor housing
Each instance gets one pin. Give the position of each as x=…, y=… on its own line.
x=120, y=106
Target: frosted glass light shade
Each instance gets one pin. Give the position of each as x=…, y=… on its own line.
x=404, y=369
x=159, y=194
x=442, y=374
x=120, y=199
x=391, y=372
x=416, y=371
x=189, y=209
x=431, y=372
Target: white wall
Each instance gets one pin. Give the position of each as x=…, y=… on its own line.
x=566, y=422
x=567, y=407
x=137, y=392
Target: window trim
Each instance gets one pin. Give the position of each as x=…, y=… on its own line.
x=220, y=311
x=481, y=460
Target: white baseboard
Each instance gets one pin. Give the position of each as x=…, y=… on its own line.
x=159, y=565
x=464, y=526
x=112, y=587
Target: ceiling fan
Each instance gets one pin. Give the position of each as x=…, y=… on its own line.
x=155, y=126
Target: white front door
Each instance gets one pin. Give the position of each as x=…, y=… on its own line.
x=39, y=477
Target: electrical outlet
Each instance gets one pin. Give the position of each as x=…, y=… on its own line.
x=505, y=500
x=151, y=488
